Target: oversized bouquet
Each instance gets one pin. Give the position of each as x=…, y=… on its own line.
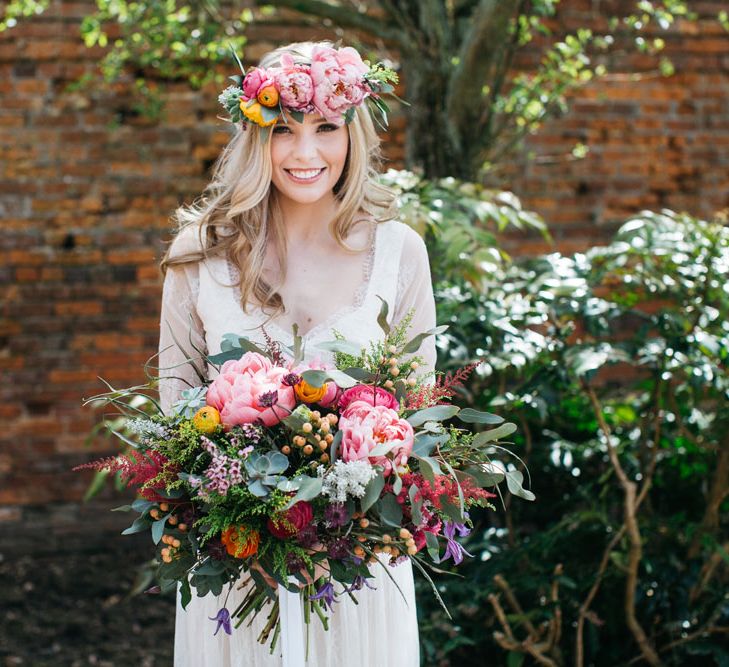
x=307, y=474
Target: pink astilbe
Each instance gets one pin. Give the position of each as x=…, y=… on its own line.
x=428, y=395
x=133, y=472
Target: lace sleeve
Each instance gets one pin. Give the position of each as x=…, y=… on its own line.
x=415, y=291
x=181, y=336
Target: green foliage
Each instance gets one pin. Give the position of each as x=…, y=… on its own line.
x=17, y=9
x=629, y=342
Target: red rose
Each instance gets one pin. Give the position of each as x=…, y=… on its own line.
x=289, y=523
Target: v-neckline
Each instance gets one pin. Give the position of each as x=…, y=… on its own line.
x=359, y=298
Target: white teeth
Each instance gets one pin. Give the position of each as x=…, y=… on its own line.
x=305, y=174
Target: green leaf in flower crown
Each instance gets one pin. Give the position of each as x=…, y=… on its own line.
x=390, y=510
x=382, y=315
x=269, y=113
x=435, y=413
x=349, y=115
x=343, y=346
x=298, y=116
x=310, y=487
x=471, y=416
x=372, y=491
x=494, y=434
x=514, y=480
x=414, y=345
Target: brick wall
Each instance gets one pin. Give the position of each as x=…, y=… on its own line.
x=87, y=187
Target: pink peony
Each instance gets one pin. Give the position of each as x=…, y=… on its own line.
x=295, y=85
x=369, y=394
x=365, y=426
x=338, y=81
x=256, y=79
x=251, y=390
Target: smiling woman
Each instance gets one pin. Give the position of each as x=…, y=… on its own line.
x=295, y=229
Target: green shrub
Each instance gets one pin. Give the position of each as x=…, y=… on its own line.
x=614, y=364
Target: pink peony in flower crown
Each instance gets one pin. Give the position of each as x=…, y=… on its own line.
x=335, y=82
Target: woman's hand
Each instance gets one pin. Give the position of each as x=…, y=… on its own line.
x=255, y=565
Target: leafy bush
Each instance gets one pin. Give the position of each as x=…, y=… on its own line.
x=614, y=364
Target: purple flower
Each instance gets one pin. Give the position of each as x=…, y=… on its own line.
x=325, y=593
x=307, y=537
x=336, y=515
x=268, y=399
x=453, y=548
x=294, y=563
x=291, y=379
x=358, y=583
x=338, y=548
x=223, y=619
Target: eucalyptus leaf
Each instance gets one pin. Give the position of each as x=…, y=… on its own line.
x=390, y=510
x=425, y=443
x=382, y=316
x=514, y=481
x=435, y=413
x=140, y=524
x=471, y=416
x=494, y=434
x=414, y=344
x=158, y=528
x=344, y=346
x=372, y=491
x=431, y=542
x=309, y=488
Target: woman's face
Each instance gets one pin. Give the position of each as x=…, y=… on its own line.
x=307, y=158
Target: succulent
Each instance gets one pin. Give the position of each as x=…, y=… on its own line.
x=191, y=400
x=265, y=472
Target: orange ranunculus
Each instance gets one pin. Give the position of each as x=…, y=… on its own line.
x=254, y=113
x=268, y=96
x=206, y=419
x=308, y=394
x=240, y=541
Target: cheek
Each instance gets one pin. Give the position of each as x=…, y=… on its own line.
x=337, y=152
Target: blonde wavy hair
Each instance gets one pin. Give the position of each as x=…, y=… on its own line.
x=237, y=215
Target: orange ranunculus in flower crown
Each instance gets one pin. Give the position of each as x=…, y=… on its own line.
x=312, y=473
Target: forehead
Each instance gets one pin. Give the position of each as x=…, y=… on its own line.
x=309, y=119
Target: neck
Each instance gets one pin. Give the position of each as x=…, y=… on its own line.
x=307, y=222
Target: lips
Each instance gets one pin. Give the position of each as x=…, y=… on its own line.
x=305, y=175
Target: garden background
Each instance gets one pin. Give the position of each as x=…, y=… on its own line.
x=550, y=145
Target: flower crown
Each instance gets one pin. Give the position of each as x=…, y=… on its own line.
x=336, y=81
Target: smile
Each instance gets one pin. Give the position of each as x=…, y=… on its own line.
x=304, y=175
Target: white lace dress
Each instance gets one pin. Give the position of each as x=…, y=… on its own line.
x=199, y=306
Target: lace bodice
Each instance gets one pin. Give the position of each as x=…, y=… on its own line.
x=201, y=303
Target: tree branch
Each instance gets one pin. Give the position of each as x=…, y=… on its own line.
x=475, y=57
x=342, y=16
x=635, y=551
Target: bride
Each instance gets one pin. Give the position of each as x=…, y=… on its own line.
x=295, y=230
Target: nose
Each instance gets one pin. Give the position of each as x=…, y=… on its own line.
x=305, y=146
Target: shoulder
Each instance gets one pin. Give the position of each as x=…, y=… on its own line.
x=413, y=248
x=187, y=242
